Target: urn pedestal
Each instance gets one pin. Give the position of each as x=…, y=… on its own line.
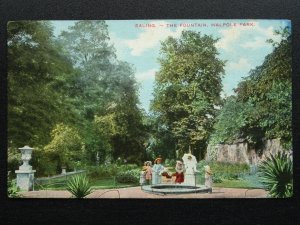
x=25, y=174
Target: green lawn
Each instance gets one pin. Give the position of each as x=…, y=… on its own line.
x=103, y=183
x=106, y=183
x=233, y=184
x=248, y=181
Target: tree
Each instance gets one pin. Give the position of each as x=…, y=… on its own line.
x=37, y=71
x=233, y=122
x=262, y=107
x=67, y=144
x=87, y=45
x=184, y=97
x=121, y=123
x=160, y=139
x=269, y=89
x=107, y=92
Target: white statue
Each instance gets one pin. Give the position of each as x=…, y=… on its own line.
x=208, y=177
x=190, y=164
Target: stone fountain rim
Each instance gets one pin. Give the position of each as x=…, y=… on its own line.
x=175, y=189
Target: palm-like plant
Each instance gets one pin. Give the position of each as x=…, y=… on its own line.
x=276, y=173
x=79, y=186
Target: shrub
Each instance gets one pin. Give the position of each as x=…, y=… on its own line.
x=12, y=189
x=276, y=173
x=130, y=176
x=217, y=179
x=103, y=171
x=79, y=186
x=221, y=170
x=109, y=170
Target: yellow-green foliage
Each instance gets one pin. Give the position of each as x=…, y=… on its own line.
x=66, y=143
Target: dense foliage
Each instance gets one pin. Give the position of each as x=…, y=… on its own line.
x=276, y=172
x=12, y=189
x=224, y=171
x=105, y=94
x=70, y=98
x=184, y=100
x=129, y=176
x=262, y=107
x=37, y=72
x=67, y=144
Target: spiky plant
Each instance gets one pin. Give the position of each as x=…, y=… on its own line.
x=79, y=186
x=276, y=173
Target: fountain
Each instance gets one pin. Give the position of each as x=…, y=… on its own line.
x=189, y=185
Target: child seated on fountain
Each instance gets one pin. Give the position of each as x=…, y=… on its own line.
x=179, y=173
x=165, y=173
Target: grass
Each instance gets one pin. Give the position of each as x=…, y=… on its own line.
x=248, y=181
x=233, y=184
x=230, y=175
x=108, y=183
x=104, y=183
x=100, y=177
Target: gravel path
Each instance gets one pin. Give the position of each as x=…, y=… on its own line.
x=136, y=192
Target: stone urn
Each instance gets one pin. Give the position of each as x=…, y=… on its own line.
x=25, y=174
x=26, y=152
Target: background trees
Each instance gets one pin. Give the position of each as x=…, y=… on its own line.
x=262, y=107
x=106, y=93
x=36, y=97
x=71, y=97
x=60, y=89
x=183, y=96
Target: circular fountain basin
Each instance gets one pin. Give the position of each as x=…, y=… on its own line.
x=175, y=189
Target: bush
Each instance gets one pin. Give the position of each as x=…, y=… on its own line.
x=222, y=171
x=12, y=189
x=45, y=163
x=110, y=170
x=130, y=176
x=13, y=159
x=276, y=173
x=217, y=179
x=170, y=162
x=79, y=186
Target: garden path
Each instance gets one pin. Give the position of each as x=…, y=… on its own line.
x=136, y=192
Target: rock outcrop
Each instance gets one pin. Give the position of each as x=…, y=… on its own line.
x=240, y=152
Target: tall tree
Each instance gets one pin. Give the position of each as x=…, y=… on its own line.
x=269, y=89
x=262, y=107
x=126, y=132
x=36, y=71
x=188, y=87
x=87, y=44
x=106, y=93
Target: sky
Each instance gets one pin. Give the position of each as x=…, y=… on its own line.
x=242, y=43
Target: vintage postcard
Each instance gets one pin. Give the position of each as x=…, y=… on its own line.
x=149, y=109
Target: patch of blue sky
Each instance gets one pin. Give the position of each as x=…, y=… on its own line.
x=243, y=47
